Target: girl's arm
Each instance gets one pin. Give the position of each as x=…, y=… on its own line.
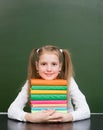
x=15, y=111
x=81, y=108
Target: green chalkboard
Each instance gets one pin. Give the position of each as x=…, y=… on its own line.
x=75, y=25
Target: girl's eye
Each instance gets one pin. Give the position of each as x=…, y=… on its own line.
x=43, y=64
x=54, y=64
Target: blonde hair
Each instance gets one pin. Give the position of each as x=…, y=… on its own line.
x=64, y=58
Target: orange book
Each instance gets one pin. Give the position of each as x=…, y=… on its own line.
x=49, y=82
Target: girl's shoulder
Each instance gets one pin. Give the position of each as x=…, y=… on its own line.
x=25, y=85
x=73, y=83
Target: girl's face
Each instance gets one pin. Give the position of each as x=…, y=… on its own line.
x=48, y=66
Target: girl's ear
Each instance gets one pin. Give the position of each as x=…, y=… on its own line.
x=36, y=63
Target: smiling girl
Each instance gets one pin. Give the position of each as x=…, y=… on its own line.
x=50, y=63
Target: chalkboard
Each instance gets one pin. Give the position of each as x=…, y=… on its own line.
x=71, y=24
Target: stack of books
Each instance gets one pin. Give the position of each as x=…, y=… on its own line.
x=48, y=95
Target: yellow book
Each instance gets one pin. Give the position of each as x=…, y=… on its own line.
x=48, y=91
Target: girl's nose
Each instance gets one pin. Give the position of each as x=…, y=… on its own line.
x=49, y=67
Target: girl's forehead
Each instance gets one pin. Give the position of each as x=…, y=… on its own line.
x=49, y=52
x=49, y=55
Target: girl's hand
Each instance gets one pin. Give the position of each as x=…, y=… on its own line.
x=42, y=116
x=48, y=116
x=60, y=117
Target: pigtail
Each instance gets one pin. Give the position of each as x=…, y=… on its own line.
x=67, y=67
x=31, y=65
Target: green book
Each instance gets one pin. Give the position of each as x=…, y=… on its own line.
x=49, y=87
x=48, y=97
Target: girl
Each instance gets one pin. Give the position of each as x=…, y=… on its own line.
x=49, y=63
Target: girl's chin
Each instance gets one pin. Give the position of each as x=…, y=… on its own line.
x=48, y=78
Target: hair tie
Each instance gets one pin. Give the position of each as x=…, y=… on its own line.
x=61, y=50
x=37, y=50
